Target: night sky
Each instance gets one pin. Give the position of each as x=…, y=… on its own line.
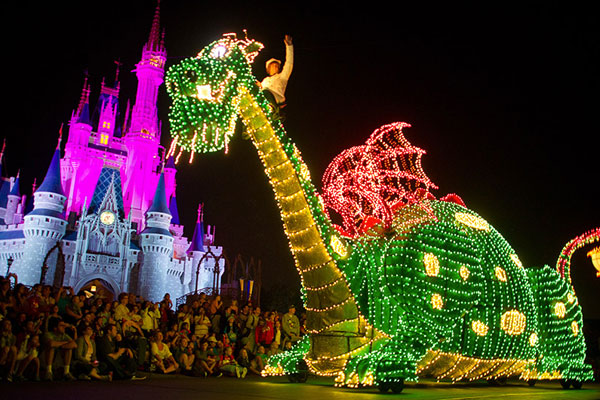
x=504, y=99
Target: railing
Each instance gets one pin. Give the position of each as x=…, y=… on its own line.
x=225, y=293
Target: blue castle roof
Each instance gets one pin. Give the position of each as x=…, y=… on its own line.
x=4, y=191
x=198, y=238
x=159, y=203
x=84, y=117
x=15, y=189
x=52, y=180
x=171, y=163
x=174, y=211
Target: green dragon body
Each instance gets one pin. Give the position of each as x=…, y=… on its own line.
x=440, y=293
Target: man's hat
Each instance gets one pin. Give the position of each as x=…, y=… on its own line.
x=291, y=306
x=272, y=60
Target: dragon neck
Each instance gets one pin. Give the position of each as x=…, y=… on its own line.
x=328, y=299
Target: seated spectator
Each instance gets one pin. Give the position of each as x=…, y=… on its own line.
x=8, y=349
x=184, y=316
x=46, y=300
x=273, y=349
x=204, y=361
x=85, y=363
x=53, y=315
x=258, y=362
x=229, y=366
x=120, y=360
x=56, y=339
x=7, y=299
x=162, y=358
x=231, y=330
x=243, y=361
x=184, y=331
x=28, y=355
x=187, y=357
x=105, y=315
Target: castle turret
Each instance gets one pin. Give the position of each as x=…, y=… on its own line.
x=142, y=139
x=157, y=245
x=44, y=227
x=196, y=250
x=170, y=172
x=12, y=203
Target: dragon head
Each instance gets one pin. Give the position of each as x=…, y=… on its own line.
x=204, y=92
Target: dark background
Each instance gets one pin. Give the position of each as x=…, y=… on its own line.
x=504, y=98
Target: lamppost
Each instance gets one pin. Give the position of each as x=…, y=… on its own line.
x=44, y=271
x=9, y=263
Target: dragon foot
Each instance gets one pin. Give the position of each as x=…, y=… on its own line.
x=385, y=368
x=290, y=363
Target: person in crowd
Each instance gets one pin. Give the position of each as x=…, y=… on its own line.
x=205, y=362
x=162, y=358
x=120, y=360
x=28, y=355
x=201, y=323
x=216, y=305
x=291, y=325
x=243, y=361
x=273, y=349
x=57, y=339
x=265, y=330
x=187, y=357
x=85, y=363
x=231, y=330
x=259, y=361
x=172, y=334
x=150, y=318
x=229, y=365
x=8, y=349
x=184, y=316
x=251, y=324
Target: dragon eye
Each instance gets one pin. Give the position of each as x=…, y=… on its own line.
x=191, y=75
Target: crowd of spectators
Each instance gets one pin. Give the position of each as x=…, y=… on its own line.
x=49, y=333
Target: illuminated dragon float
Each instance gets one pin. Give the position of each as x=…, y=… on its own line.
x=410, y=286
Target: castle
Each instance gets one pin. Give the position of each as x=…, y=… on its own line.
x=105, y=216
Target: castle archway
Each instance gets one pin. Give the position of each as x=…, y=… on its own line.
x=99, y=284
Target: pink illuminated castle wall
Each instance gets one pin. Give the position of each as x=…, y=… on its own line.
x=133, y=147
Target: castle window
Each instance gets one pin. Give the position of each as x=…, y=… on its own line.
x=104, y=138
x=106, y=124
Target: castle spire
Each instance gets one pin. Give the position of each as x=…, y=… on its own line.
x=83, y=108
x=59, y=137
x=2, y=155
x=154, y=41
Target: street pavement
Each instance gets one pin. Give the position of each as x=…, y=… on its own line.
x=158, y=387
